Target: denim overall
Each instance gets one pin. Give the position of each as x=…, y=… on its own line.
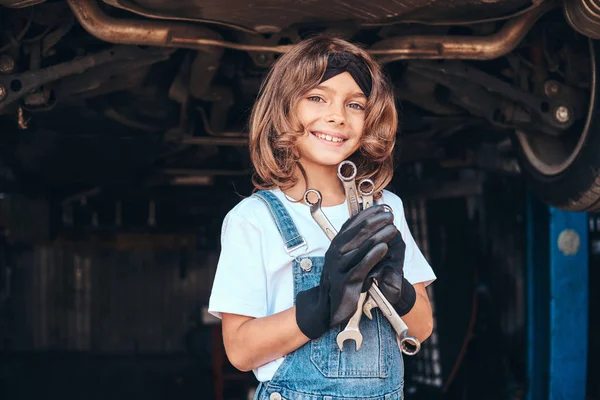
x=319, y=370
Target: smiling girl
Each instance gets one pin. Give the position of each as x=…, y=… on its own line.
x=282, y=288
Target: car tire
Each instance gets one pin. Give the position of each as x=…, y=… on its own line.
x=567, y=176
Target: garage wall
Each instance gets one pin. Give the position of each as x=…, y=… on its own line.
x=102, y=299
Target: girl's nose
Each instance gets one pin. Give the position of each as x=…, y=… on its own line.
x=335, y=114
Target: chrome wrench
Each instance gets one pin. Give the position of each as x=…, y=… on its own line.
x=365, y=189
x=352, y=331
x=409, y=345
x=318, y=215
x=349, y=185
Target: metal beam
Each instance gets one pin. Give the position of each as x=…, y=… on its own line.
x=557, y=275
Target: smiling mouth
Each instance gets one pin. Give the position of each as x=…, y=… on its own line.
x=328, y=138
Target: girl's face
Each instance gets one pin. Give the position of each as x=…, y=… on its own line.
x=334, y=115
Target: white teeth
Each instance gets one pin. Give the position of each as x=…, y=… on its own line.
x=328, y=138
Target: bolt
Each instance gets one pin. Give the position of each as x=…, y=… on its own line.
x=551, y=88
x=2, y=92
x=569, y=242
x=7, y=64
x=562, y=114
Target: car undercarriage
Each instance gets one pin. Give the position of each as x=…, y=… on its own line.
x=147, y=94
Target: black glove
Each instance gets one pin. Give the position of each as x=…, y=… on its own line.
x=389, y=274
x=358, y=247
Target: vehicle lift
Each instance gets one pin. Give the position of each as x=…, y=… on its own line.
x=557, y=302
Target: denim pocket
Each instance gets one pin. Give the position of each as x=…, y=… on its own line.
x=379, y=350
x=373, y=360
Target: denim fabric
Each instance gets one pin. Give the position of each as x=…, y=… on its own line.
x=319, y=370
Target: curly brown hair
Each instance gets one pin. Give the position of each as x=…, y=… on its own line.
x=274, y=127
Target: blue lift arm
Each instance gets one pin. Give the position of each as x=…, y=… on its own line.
x=557, y=283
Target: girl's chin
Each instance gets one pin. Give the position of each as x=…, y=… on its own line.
x=323, y=161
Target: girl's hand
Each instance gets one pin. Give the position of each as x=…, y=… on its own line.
x=389, y=274
x=359, y=245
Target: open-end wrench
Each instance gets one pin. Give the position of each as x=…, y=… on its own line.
x=349, y=185
x=409, y=345
x=352, y=331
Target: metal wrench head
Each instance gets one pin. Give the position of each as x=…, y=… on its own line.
x=316, y=204
x=318, y=215
x=365, y=189
x=410, y=345
x=341, y=171
x=368, y=306
x=352, y=329
x=349, y=334
x=349, y=183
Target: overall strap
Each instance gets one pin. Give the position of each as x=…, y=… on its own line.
x=284, y=222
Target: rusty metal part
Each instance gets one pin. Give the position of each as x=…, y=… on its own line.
x=7, y=64
x=151, y=33
x=52, y=38
x=554, y=157
x=208, y=128
x=202, y=71
x=583, y=16
x=192, y=180
x=433, y=21
x=460, y=47
x=205, y=172
x=184, y=35
x=22, y=122
x=270, y=16
x=20, y=3
x=137, y=9
x=214, y=141
x=483, y=94
x=19, y=85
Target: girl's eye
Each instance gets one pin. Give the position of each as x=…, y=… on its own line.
x=316, y=99
x=356, y=106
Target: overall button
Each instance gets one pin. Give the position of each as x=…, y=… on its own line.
x=275, y=396
x=306, y=264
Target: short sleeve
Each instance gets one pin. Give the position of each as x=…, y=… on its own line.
x=239, y=286
x=416, y=267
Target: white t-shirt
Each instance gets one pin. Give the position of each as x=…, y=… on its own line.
x=254, y=272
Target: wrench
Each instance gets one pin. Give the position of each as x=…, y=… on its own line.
x=352, y=331
x=349, y=186
x=409, y=345
x=365, y=188
x=318, y=215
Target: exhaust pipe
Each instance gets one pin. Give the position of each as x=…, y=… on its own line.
x=190, y=36
x=461, y=47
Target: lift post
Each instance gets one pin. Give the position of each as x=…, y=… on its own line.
x=557, y=283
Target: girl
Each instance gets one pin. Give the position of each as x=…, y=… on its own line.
x=282, y=288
